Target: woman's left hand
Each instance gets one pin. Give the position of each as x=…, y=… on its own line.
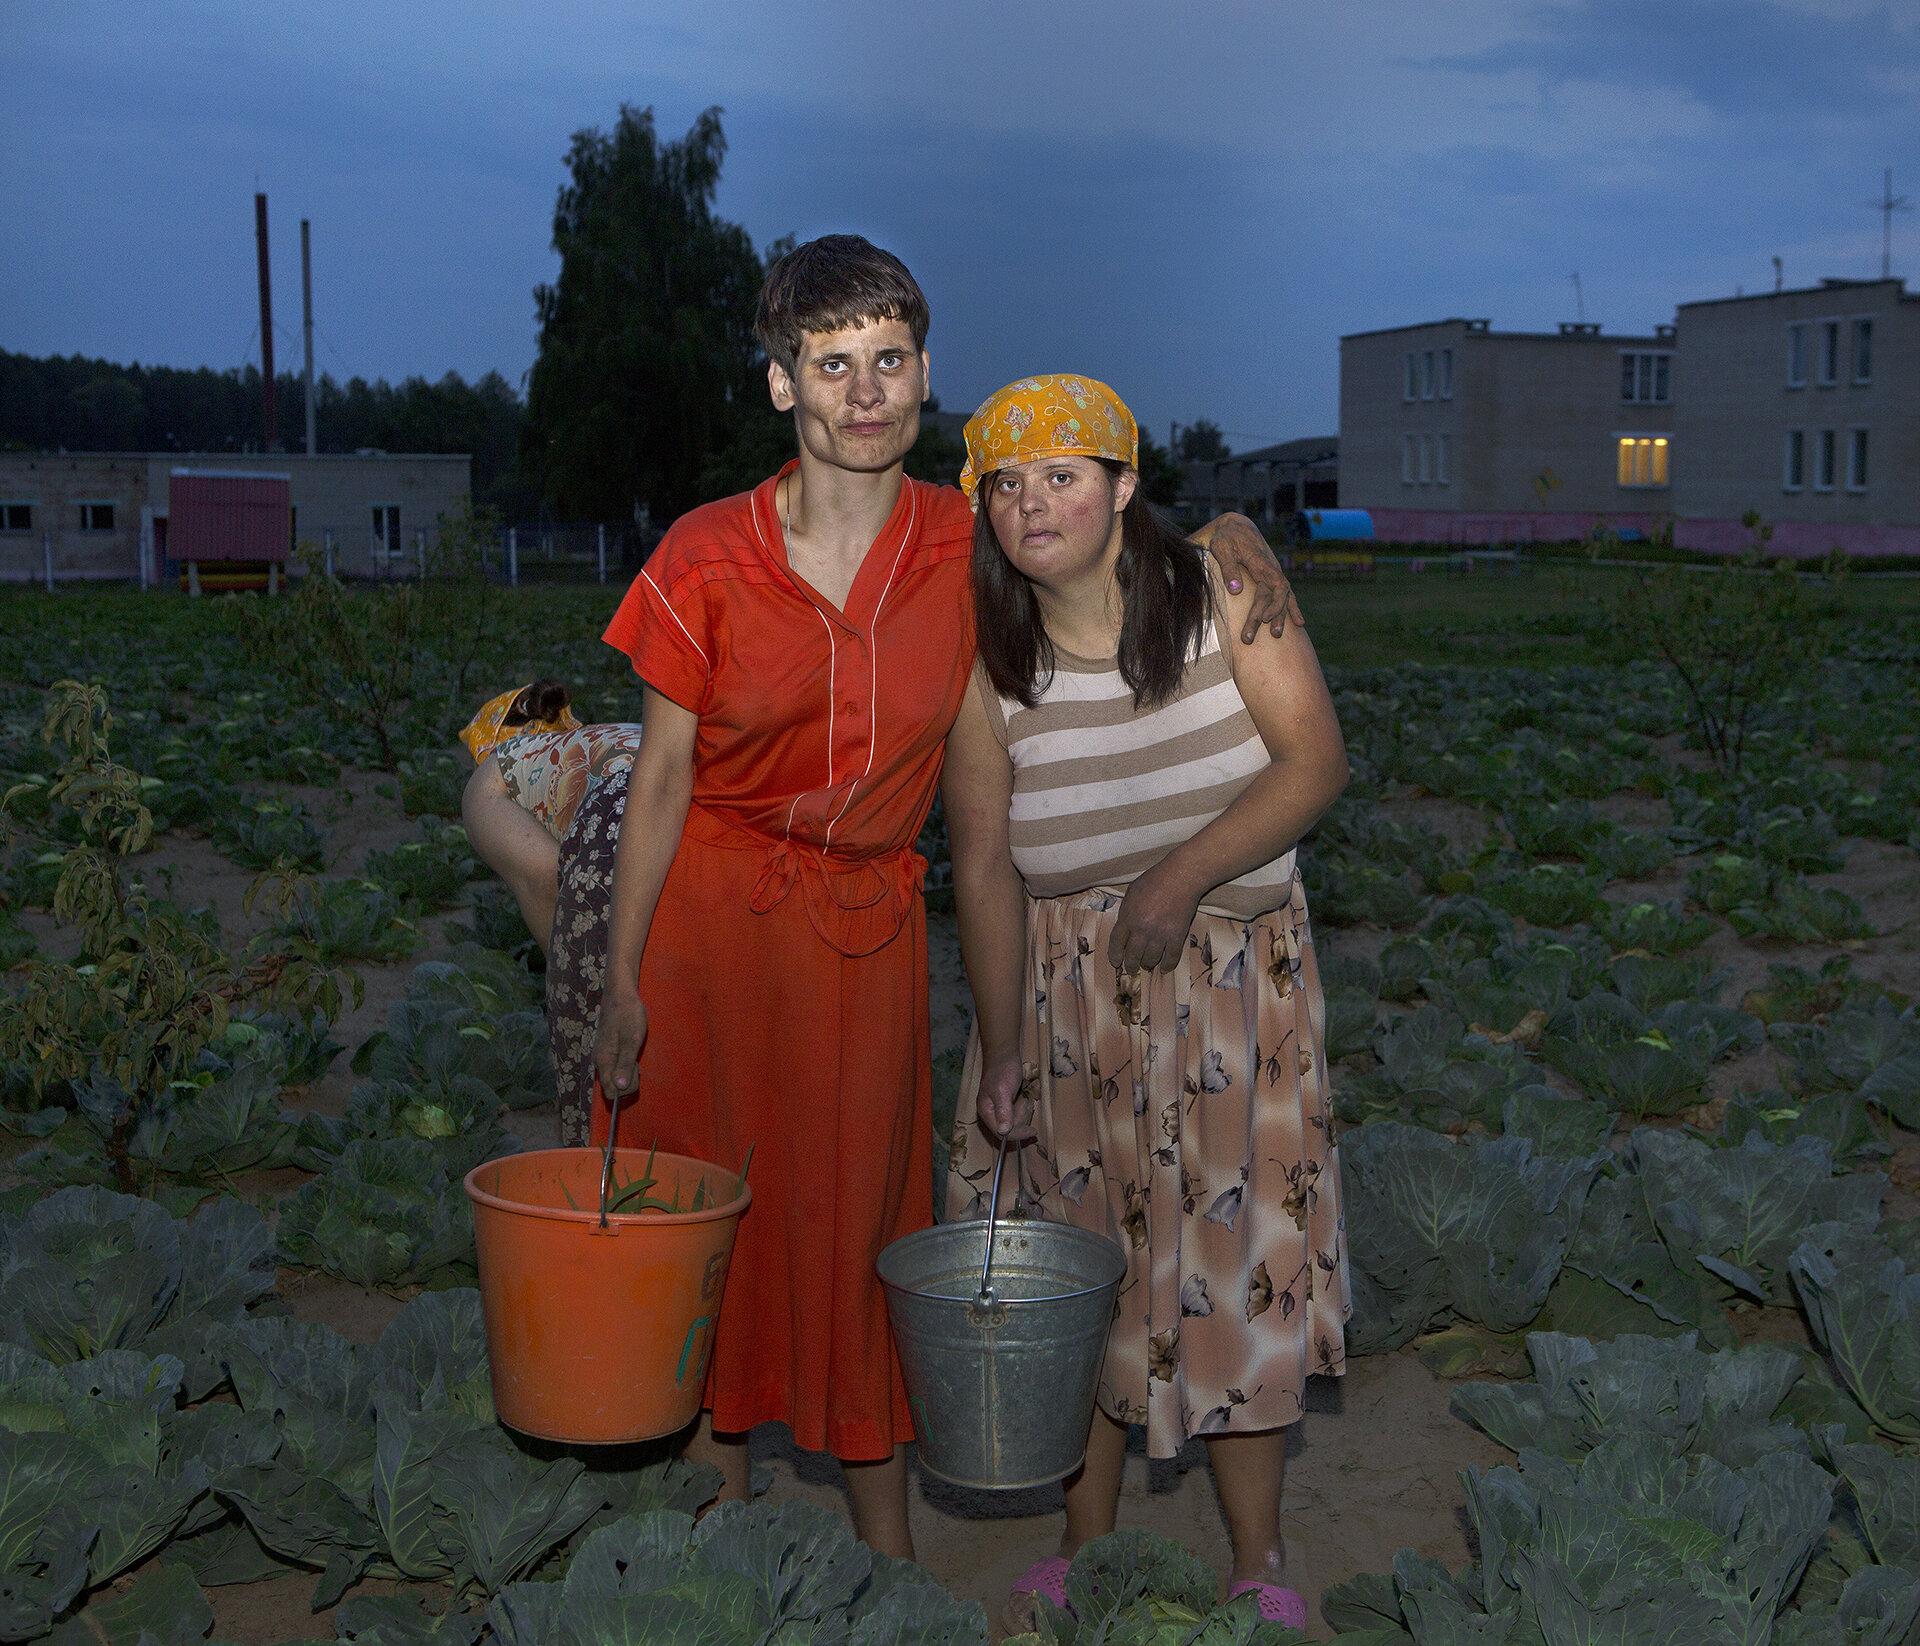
x=1150, y=931
x=1243, y=555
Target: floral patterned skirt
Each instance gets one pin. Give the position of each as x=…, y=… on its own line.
x=1184, y=1114
x=577, y=957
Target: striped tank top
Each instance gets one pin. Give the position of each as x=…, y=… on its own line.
x=1102, y=791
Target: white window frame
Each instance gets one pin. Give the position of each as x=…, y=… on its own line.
x=1796, y=354
x=1828, y=342
x=386, y=545
x=1661, y=441
x=1826, y=458
x=1859, y=459
x=27, y=503
x=86, y=505
x=1860, y=330
x=1407, y=459
x=1793, y=461
x=1446, y=374
x=1442, y=459
x=1410, y=387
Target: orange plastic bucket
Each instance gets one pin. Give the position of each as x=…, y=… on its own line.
x=600, y=1336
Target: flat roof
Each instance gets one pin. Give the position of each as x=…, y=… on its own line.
x=1478, y=328
x=1828, y=285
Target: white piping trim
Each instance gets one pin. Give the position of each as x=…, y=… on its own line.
x=648, y=579
x=873, y=659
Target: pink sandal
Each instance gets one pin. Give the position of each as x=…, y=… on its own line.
x=1046, y=1577
x=1277, y=1605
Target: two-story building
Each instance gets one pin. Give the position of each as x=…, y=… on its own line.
x=1789, y=403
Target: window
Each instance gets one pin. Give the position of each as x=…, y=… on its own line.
x=1412, y=389
x=1793, y=475
x=386, y=531
x=1797, y=355
x=1426, y=459
x=1426, y=375
x=1856, y=460
x=1823, y=464
x=1406, y=457
x=1646, y=379
x=96, y=517
x=1829, y=353
x=1863, y=350
x=16, y=517
x=1446, y=374
x=1442, y=458
x=1643, y=459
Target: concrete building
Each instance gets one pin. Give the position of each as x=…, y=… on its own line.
x=1270, y=483
x=1799, y=404
x=1804, y=405
x=104, y=515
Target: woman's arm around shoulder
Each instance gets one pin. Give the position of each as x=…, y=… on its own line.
x=1239, y=551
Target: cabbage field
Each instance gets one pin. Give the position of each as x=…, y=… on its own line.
x=1627, y=1074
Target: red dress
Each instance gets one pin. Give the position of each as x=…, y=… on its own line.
x=785, y=973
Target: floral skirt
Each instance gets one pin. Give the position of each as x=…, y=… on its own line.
x=577, y=956
x=1184, y=1114
x=549, y=773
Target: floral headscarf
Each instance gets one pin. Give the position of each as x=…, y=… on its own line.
x=485, y=729
x=1051, y=416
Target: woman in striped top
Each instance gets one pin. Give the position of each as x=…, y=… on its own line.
x=1124, y=788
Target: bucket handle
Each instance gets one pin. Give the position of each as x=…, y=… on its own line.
x=606, y=1167
x=988, y=1297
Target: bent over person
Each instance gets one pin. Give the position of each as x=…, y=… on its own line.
x=804, y=650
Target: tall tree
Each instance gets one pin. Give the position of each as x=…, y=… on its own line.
x=1200, y=442
x=646, y=354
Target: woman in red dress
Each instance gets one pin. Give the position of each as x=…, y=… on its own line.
x=804, y=649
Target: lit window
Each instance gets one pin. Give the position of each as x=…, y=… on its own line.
x=1823, y=461
x=1829, y=352
x=1794, y=472
x=1412, y=389
x=1797, y=355
x=1446, y=374
x=1426, y=375
x=1643, y=460
x=1856, y=460
x=1646, y=379
x=96, y=517
x=1863, y=351
x=16, y=517
x=1442, y=458
x=1406, y=457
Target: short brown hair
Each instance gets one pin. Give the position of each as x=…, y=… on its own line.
x=835, y=281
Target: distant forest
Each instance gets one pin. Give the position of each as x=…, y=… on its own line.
x=72, y=403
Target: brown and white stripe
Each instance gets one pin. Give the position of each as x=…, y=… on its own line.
x=1102, y=791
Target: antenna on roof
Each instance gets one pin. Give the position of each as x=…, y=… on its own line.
x=1779, y=274
x=1579, y=299
x=1886, y=206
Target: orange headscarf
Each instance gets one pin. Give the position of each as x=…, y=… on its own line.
x=1051, y=416
x=484, y=731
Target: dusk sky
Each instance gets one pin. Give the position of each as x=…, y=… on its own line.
x=1191, y=200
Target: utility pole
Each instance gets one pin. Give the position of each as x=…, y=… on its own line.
x=1779, y=275
x=1886, y=206
x=269, y=418
x=306, y=299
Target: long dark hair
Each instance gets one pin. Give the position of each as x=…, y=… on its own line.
x=1165, y=596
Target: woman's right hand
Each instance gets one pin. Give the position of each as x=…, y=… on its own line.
x=616, y=1046
x=1005, y=1108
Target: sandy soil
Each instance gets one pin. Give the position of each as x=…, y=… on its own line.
x=1374, y=1466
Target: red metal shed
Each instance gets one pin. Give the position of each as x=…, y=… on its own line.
x=229, y=514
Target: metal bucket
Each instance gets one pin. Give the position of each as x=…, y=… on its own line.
x=1001, y=1328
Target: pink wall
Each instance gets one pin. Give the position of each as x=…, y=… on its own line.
x=1790, y=537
